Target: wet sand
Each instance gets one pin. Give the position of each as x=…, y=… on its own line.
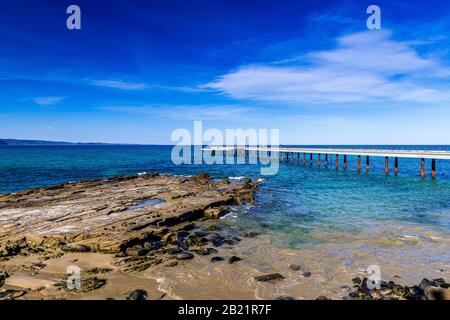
x=325, y=269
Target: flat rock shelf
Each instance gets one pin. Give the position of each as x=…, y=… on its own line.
x=96, y=215
x=133, y=222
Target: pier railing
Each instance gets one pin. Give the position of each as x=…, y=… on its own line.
x=284, y=153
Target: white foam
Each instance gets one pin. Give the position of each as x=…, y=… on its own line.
x=236, y=178
x=231, y=215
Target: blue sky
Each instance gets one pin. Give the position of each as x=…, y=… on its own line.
x=137, y=70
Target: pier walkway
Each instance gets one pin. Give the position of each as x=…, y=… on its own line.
x=286, y=153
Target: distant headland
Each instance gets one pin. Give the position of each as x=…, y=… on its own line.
x=18, y=142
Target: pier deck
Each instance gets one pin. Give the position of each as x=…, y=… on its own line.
x=386, y=153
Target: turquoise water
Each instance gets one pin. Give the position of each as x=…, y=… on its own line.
x=300, y=205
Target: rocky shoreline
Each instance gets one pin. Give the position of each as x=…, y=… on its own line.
x=140, y=221
x=436, y=289
x=129, y=235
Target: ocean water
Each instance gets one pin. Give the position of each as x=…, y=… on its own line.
x=300, y=206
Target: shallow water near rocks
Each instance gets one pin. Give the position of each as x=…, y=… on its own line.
x=146, y=203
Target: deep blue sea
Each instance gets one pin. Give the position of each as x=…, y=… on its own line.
x=294, y=204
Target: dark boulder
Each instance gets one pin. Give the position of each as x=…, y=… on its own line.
x=137, y=294
x=284, y=298
x=189, y=227
x=425, y=283
x=184, y=256
x=295, y=267
x=270, y=277
x=3, y=277
x=234, y=259
x=217, y=259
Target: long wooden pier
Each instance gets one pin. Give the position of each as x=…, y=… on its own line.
x=284, y=153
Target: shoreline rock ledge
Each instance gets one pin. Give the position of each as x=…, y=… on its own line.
x=113, y=215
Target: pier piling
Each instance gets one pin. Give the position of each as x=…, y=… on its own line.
x=326, y=160
x=422, y=167
x=386, y=165
x=433, y=168
x=359, y=163
x=337, y=161
x=345, y=162
x=367, y=164
x=396, y=165
x=318, y=159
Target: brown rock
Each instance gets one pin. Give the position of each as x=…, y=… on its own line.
x=269, y=277
x=435, y=293
x=295, y=267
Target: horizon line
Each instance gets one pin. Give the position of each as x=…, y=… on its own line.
x=62, y=143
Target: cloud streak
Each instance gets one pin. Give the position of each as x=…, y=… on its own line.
x=48, y=101
x=364, y=67
x=186, y=112
x=117, y=84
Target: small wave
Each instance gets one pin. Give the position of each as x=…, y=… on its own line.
x=248, y=207
x=240, y=208
x=409, y=238
x=235, y=211
x=142, y=173
x=236, y=178
x=232, y=215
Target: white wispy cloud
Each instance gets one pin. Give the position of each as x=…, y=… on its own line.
x=118, y=84
x=364, y=67
x=48, y=101
x=187, y=112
